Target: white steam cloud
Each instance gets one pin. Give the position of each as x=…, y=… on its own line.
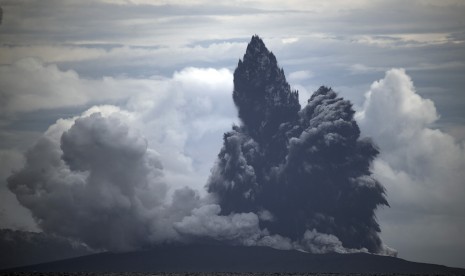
x=416, y=161
x=421, y=167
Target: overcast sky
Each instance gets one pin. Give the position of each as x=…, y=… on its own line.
x=166, y=67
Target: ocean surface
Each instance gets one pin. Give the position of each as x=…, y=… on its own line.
x=202, y=274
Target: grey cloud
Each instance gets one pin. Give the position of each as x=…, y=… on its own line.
x=205, y=221
x=320, y=243
x=47, y=87
x=91, y=140
x=144, y=62
x=12, y=214
x=167, y=111
x=100, y=187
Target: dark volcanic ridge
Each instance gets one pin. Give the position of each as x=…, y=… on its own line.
x=216, y=258
x=19, y=248
x=206, y=274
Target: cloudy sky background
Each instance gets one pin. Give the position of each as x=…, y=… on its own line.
x=165, y=69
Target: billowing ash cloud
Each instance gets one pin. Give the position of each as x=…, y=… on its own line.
x=306, y=171
x=93, y=179
x=288, y=178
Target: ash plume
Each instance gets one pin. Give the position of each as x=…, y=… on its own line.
x=306, y=170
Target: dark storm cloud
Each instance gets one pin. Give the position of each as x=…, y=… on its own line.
x=309, y=169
